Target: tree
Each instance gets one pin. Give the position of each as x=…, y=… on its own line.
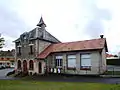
x=1, y=42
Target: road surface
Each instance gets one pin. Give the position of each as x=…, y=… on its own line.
x=3, y=73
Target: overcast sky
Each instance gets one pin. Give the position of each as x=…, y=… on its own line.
x=67, y=20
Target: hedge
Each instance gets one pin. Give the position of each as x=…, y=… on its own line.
x=113, y=61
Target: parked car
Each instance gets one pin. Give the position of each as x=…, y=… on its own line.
x=12, y=66
x=2, y=66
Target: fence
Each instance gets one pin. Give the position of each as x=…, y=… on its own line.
x=113, y=70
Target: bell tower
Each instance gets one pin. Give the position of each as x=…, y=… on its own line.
x=41, y=23
x=42, y=26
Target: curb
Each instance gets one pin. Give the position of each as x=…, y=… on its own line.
x=111, y=76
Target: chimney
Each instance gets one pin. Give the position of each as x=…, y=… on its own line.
x=101, y=36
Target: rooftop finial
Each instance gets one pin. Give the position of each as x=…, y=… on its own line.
x=101, y=36
x=41, y=22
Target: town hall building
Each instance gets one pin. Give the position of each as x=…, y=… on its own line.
x=37, y=52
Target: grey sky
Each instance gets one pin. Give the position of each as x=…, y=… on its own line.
x=11, y=24
x=96, y=15
x=78, y=19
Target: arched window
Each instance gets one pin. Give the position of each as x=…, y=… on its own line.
x=31, y=65
x=19, y=64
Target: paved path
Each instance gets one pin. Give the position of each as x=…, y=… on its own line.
x=3, y=73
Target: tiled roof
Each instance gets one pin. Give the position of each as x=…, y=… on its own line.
x=32, y=35
x=74, y=46
x=7, y=58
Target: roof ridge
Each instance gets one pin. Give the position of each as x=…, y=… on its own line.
x=79, y=41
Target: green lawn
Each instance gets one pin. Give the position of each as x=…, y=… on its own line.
x=38, y=85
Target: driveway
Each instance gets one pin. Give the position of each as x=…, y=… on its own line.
x=3, y=73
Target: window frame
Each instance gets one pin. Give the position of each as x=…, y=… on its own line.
x=19, y=49
x=69, y=68
x=31, y=49
x=31, y=65
x=31, y=46
x=19, y=65
x=58, y=61
x=85, y=67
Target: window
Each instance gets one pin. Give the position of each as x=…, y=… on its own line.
x=71, y=61
x=31, y=65
x=58, y=61
x=18, y=45
x=19, y=64
x=85, y=61
x=19, y=50
x=31, y=49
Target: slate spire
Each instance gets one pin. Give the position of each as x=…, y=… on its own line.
x=41, y=23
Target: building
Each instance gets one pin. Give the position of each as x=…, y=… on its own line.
x=7, y=59
x=110, y=57
x=38, y=52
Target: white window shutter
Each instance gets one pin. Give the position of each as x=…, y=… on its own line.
x=85, y=60
x=71, y=61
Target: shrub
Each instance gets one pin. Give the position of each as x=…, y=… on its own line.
x=113, y=61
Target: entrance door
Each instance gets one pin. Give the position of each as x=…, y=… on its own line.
x=40, y=67
x=25, y=66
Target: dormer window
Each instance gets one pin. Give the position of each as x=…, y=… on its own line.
x=32, y=34
x=24, y=37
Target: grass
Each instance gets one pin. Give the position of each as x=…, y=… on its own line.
x=39, y=85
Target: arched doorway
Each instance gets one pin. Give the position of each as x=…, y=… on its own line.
x=40, y=67
x=31, y=65
x=25, y=66
x=19, y=64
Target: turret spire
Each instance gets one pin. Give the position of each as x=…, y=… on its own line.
x=41, y=22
